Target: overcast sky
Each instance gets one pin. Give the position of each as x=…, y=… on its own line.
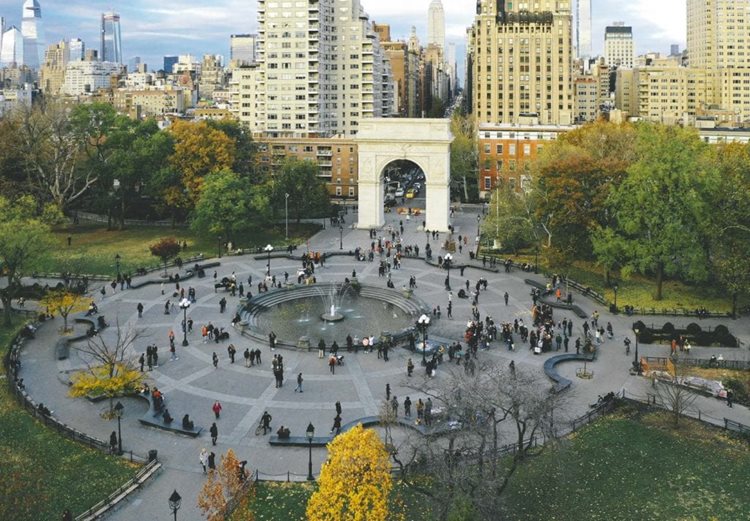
x=153, y=28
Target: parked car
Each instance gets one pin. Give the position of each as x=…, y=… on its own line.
x=400, y=192
x=411, y=193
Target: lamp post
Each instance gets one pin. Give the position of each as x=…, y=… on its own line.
x=184, y=305
x=269, y=249
x=220, y=239
x=175, y=500
x=422, y=324
x=286, y=216
x=637, y=361
x=616, y=288
x=448, y=261
x=310, y=433
x=479, y=219
x=536, y=260
x=117, y=264
x=118, y=414
x=341, y=237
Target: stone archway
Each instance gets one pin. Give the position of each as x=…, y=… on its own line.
x=425, y=142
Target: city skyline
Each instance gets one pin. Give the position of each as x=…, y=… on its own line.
x=151, y=31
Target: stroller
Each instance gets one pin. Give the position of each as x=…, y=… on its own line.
x=339, y=359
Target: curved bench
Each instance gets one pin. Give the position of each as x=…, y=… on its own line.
x=550, y=369
x=62, y=346
x=553, y=303
x=188, y=275
x=153, y=418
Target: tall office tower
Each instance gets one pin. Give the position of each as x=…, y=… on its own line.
x=52, y=74
x=77, y=49
x=110, y=49
x=2, y=31
x=619, y=49
x=12, y=51
x=717, y=33
x=522, y=62
x=324, y=68
x=242, y=49
x=436, y=24
x=33, y=34
x=674, y=49
x=134, y=63
x=169, y=63
x=583, y=28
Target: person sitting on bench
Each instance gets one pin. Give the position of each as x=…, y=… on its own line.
x=167, y=417
x=187, y=423
x=283, y=433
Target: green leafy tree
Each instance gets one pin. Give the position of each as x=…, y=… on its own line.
x=464, y=158
x=225, y=206
x=511, y=219
x=661, y=207
x=25, y=240
x=308, y=196
x=165, y=249
x=245, y=161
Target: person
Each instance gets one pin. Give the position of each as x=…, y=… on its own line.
x=215, y=360
x=420, y=411
x=428, y=411
x=730, y=398
x=231, y=350
x=387, y=392
x=113, y=440
x=283, y=433
x=141, y=361
x=166, y=416
x=332, y=364
x=212, y=460
x=506, y=297
x=214, y=430
x=338, y=408
x=299, y=384
x=265, y=421
x=140, y=310
x=336, y=425
x=216, y=407
x=394, y=405
x=187, y=423
x=321, y=348
x=409, y=367
x=407, y=407
x=203, y=458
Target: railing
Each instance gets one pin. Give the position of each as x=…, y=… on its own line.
x=97, y=218
x=661, y=361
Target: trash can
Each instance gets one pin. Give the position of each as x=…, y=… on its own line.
x=152, y=454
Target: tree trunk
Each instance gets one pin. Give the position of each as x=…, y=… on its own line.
x=659, y=281
x=607, y=277
x=734, y=305
x=7, y=310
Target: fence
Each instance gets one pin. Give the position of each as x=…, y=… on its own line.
x=661, y=361
x=96, y=218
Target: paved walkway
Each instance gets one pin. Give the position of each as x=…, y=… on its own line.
x=192, y=384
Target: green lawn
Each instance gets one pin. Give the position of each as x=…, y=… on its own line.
x=42, y=473
x=625, y=468
x=93, y=247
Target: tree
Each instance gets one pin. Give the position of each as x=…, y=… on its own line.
x=511, y=219
x=464, y=158
x=673, y=394
x=225, y=206
x=245, y=149
x=308, y=196
x=25, y=240
x=110, y=371
x=199, y=150
x=355, y=482
x=167, y=248
x=660, y=211
x=226, y=490
x=64, y=302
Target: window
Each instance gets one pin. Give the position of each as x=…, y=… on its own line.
x=499, y=149
x=488, y=183
x=512, y=149
x=486, y=148
x=527, y=149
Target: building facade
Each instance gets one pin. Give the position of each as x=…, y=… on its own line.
x=522, y=62
x=583, y=29
x=619, y=49
x=86, y=77
x=52, y=75
x=243, y=49
x=32, y=29
x=436, y=24
x=111, y=39
x=11, y=54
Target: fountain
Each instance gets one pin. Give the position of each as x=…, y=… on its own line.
x=332, y=316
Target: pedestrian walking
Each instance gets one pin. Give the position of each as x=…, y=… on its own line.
x=265, y=421
x=246, y=355
x=113, y=443
x=336, y=425
x=387, y=392
x=321, y=348
x=141, y=361
x=216, y=407
x=409, y=367
x=214, y=430
x=394, y=405
x=506, y=297
x=338, y=408
x=299, y=383
x=407, y=407
x=232, y=351
x=203, y=458
x=139, y=307
x=215, y=360
x=332, y=364
x=212, y=460
x=730, y=398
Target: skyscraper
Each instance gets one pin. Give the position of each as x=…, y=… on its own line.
x=33, y=34
x=436, y=24
x=619, y=49
x=242, y=49
x=77, y=49
x=12, y=50
x=111, y=40
x=522, y=62
x=583, y=28
x=169, y=63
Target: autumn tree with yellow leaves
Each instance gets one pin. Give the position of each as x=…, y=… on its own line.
x=64, y=303
x=227, y=490
x=355, y=482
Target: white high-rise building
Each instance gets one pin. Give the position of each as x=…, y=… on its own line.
x=436, y=24
x=12, y=50
x=2, y=31
x=619, y=48
x=324, y=68
x=111, y=39
x=86, y=77
x=583, y=29
x=243, y=49
x=77, y=49
x=33, y=35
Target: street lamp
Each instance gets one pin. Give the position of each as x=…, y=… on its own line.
x=447, y=262
x=536, y=260
x=117, y=264
x=220, y=239
x=616, y=287
x=310, y=433
x=341, y=237
x=422, y=324
x=286, y=215
x=637, y=361
x=479, y=219
x=184, y=305
x=175, y=500
x=269, y=249
x=118, y=414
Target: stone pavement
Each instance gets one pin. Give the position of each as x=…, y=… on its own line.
x=191, y=384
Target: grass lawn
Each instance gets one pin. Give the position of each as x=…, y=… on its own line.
x=42, y=473
x=626, y=468
x=638, y=290
x=93, y=247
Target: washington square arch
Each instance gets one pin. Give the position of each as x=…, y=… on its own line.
x=424, y=142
